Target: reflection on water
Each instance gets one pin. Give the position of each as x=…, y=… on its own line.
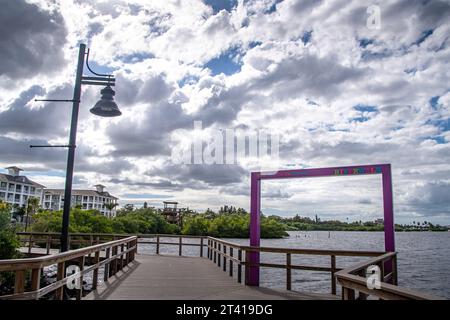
x=423, y=258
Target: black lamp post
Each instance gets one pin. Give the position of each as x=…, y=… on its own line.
x=105, y=107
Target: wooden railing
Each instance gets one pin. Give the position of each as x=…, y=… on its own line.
x=33, y=241
x=220, y=251
x=354, y=281
x=113, y=255
x=230, y=256
x=51, y=240
x=159, y=241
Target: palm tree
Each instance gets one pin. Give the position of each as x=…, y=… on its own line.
x=32, y=205
x=110, y=206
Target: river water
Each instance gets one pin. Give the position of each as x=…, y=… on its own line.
x=423, y=258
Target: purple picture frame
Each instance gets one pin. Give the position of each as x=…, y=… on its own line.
x=252, y=274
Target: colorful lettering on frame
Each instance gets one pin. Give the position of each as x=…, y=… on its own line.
x=353, y=171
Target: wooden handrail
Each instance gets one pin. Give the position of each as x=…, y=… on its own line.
x=216, y=247
x=19, y=266
x=351, y=281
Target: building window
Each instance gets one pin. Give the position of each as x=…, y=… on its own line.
x=11, y=187
x=32, y=189
x=25, y=189
x=2, y=195
x=91, y=198
x=18, y=188
x=3, y=186
x=17, y=198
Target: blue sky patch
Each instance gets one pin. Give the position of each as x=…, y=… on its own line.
x=273, y=7
x=100, y=68
x=360, y=119
x=438, y=139
x=424, y=36
x=365, y=108
x=189, y=79
x=363, y=43
x=219, y=5
x=411, y=71
x=225, y=63
x=306, y=37
x=434, y=102
x=253, y=44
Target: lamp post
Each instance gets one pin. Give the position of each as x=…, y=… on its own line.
x=105, y=107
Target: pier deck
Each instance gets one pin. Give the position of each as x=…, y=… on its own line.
x=154, y=277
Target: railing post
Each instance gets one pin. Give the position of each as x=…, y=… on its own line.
x=394, y=270
x=122, y=247
x=114, y=266
x=19, y=281
x=333, y=278
x=201, y=247
x=35, y=279
x=215, y=251
x=224, y=258
x=107, y=265
x=231, y=262
x=219, y=254
x=180, y=246
x=247, y=267
x=348, y=294
x=157, y=244
x=59, y=293
x=95, y=276
x=240, y=266
x=288, y=271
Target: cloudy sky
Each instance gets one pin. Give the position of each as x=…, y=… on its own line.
x=336, y=83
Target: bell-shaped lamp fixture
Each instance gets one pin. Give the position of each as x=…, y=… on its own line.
x=106, y=107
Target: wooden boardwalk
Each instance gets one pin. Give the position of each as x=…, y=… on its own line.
x=157, y=277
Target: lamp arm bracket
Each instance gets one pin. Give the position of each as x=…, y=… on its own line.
x=93, y=72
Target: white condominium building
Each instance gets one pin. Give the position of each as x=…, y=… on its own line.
x=99, y=199
x=16, y=189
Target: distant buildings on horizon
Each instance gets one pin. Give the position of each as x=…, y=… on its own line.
x=16, y=189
